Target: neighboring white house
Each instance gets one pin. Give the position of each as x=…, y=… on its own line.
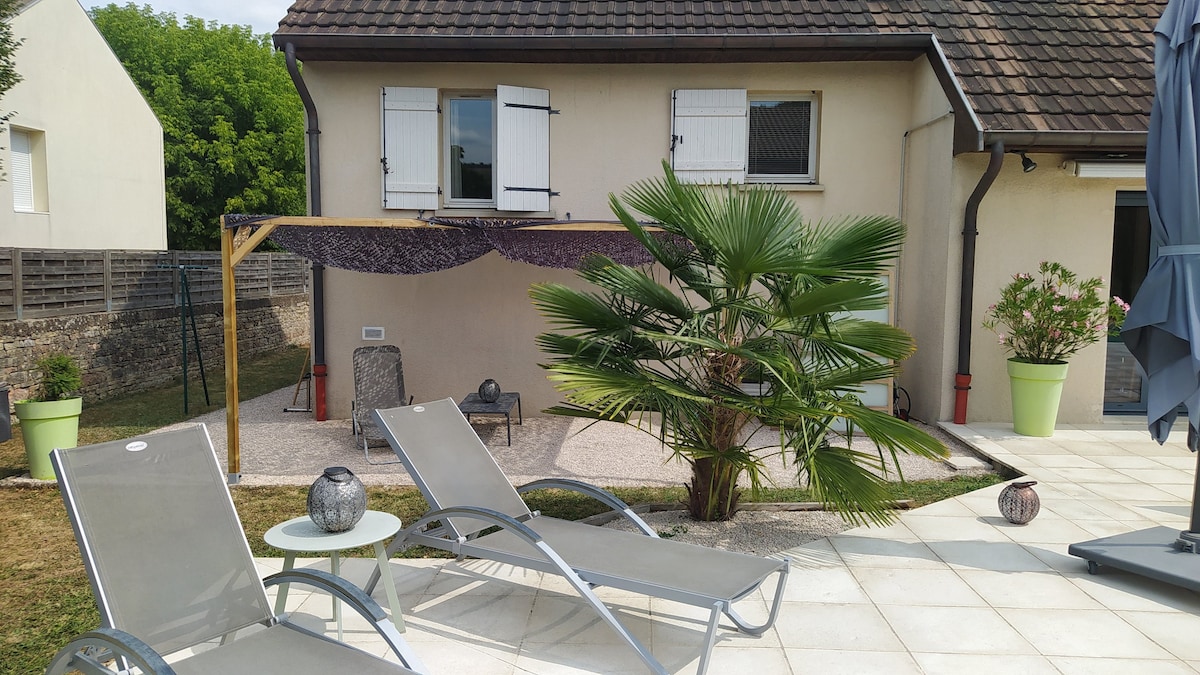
x=83, y=151
x=540, y=110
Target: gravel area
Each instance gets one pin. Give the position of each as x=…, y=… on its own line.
x=281, y=448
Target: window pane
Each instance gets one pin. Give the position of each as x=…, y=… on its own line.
x=22, y=171
x=779, y=137
x=471, y=146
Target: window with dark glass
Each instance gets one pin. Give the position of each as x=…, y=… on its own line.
x=470, y=137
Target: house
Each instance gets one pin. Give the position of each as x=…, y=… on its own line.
x=83, y=151
x=936, y=112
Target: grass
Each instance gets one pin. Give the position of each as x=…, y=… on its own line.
x=47, y=597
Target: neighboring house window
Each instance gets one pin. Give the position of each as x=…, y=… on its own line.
x=726, y=135
x=27, y=167
x=493, y=152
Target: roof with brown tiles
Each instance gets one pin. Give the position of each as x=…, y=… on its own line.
x=1064, y=66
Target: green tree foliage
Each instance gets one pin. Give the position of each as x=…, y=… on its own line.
x=233, y=124
x=757, y=292
x=8, y=48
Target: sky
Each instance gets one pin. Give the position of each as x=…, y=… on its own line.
x=262, y=15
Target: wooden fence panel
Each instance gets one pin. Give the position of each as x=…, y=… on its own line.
x=8, y=289
x=59, y=283
x=141, y=279
x=40, y=283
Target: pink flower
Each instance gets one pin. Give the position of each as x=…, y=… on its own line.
x=1057, y=308
x=1075, y=295
x=1027, y=314
x=1001, y=338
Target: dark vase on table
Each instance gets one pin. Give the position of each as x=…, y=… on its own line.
x=337, y=500
x=489, y=391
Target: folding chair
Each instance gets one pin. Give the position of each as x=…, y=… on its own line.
x=171, y=569
x=468, y=494
x=378, y=383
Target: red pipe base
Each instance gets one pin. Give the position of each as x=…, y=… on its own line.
x=962, y=385
x=319, y=370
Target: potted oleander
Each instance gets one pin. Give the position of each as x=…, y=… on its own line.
x=51, y=420
x=1042, y=322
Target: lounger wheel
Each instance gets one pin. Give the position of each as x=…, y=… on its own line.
x=1093, y=567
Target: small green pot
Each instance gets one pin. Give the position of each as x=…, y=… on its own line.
x=1036, y=390
x=46, y=425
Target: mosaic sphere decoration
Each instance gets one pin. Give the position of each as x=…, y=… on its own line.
x=336, y=500
x=1019, y=503
x=489, y=391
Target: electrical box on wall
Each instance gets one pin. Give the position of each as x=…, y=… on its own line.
x=372, y=332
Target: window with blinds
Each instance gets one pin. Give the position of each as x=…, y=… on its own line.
x=780, y=140
x=21, y=170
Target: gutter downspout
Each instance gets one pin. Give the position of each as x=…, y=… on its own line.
x=313, y=131
x=962, y=379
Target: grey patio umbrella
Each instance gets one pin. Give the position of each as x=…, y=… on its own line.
x=1162, y=329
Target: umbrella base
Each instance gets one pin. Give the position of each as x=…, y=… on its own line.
x=1159, y=553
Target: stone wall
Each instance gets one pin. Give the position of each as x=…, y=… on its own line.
x=140, y=349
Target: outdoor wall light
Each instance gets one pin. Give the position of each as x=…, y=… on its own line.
x=1027, y=164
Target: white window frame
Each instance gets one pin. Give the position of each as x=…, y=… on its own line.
x=811, y=176
x=27, y=170
x=448, y=201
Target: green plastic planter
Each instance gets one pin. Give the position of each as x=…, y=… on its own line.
x=47, y=425
x=1036, y=390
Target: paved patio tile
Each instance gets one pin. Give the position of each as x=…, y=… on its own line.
x=984, y=664
x=953, y=528
x=859, y=551
x=1005, y=556
x=811, y=625
x=955, y=630
x=1109, y=666
x=1028, y=590
x=917, y=587
x=1059, y=461
x=826, y=585
x=1082, y=632
x=838, y=662
x=1176, y=632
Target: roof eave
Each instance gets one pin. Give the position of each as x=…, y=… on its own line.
x=692, y=48
x=1069, y=141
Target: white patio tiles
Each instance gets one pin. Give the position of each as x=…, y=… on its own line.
x=950, y=588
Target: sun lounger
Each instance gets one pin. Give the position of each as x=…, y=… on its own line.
x=469, y=494
x=171, y=570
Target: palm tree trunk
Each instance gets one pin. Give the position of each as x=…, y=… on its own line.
x=713, y=493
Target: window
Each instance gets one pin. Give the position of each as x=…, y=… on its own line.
x=780, y=141
x=471, y=152
x=726, y=135
x=491, y=149
x=27, y=164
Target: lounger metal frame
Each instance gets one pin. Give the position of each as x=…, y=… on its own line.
x=458, y=529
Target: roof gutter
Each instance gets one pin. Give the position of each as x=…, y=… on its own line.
x=962, y=379
x=313, y=130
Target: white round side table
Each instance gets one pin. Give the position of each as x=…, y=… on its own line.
x=301, y=535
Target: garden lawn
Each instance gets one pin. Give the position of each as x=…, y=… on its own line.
x=46, y=598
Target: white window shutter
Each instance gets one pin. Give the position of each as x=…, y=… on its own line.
x=410, y=148
x=709, y=129
x=21, y=168
x=522, y=149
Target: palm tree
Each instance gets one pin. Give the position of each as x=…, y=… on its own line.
x=750, y=289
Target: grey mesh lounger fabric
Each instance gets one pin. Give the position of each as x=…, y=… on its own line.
x=468, y=493
x=171, y=569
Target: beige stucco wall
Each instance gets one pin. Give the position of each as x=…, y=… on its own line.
x=927, y=297
x=103, y=145
x=459, y=326
x=1026, y=218
x=879, y=122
